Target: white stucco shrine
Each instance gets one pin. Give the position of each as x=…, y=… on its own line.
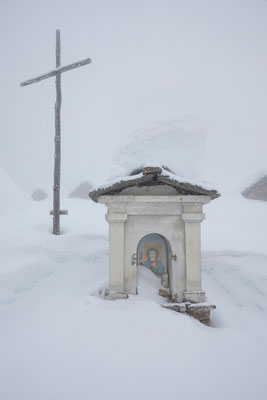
x=154, y=221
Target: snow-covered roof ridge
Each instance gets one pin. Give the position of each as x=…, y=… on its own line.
x=154, y=175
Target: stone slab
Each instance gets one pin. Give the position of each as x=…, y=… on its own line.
x=115, y=295
x=200, y=311
x=178, y=307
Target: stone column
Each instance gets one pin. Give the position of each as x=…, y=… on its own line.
x=116, y=256
x=194, y=292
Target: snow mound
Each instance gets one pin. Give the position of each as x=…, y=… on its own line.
x=176, y=144
x=81, y=191
x=39, y=194
x=148, y=284
x=11, y=194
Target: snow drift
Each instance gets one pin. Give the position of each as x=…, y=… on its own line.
x=60, y=340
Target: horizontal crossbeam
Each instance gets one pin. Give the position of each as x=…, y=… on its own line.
x=57, y=71
x=62, y=212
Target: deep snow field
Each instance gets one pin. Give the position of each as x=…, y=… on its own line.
x=59, y=340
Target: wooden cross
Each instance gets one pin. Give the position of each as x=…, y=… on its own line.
x=57, y=160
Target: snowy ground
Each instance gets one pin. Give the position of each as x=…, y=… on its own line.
x=59, y=340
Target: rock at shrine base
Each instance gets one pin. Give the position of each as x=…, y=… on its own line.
x=200, y=311
x=115, y=295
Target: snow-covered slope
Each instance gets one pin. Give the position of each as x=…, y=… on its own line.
x=60, y=340
x=81, y=191
x=11, y=194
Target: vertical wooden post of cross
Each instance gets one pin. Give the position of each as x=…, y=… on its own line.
x=57, y=161
x=57, y=157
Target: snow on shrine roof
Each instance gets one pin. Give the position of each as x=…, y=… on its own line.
x=153, y=176
x=174, y=150
x=179, y=144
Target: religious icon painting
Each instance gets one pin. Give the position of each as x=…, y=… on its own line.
x=152, y=254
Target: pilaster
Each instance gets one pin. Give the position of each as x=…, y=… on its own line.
x=193, y=291
x=116, y=250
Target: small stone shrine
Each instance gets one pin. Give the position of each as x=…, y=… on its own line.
x=154, y=221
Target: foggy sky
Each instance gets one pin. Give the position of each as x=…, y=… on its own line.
x=152, y=60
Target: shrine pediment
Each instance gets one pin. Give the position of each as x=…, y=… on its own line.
x=153, y=181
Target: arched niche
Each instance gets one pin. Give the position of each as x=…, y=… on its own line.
x=152, y=253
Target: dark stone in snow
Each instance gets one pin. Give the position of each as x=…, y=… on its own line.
x=257, y=191
x=39, y=195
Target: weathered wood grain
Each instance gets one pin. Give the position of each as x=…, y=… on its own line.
x=56, y=71
x=57, y=160
x=62, y=212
